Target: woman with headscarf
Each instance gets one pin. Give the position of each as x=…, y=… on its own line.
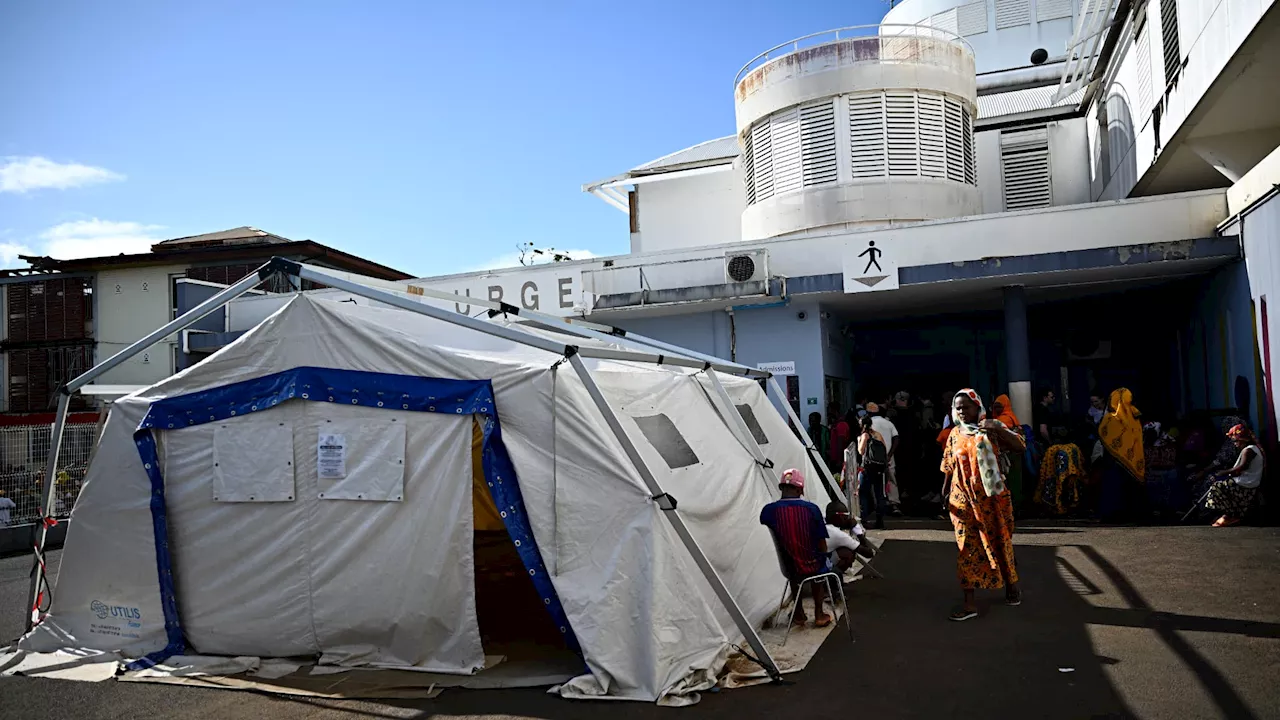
x=1002, y=410
x=979, y=501
x=1124, y=466
x=1061, y=475
x=1224, y=459
x=1232, y=490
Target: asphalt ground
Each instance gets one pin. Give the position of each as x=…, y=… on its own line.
x=1151, y=622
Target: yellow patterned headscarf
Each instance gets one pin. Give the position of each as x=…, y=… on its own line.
x=1121, y=433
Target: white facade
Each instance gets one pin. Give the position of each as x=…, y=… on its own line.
x=132, y=302
x=867, y=130
x=689, y=211
x=1003, y=33
x=1213, y=99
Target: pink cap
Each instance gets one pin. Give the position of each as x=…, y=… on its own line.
x=792, y=476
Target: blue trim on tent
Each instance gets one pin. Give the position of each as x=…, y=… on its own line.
x=347, y=387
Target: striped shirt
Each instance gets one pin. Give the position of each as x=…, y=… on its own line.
x=800, y=529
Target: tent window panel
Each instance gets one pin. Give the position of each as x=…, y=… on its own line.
x=749, y=417
x=253, y=462
x=360, y=460
x=667, y=440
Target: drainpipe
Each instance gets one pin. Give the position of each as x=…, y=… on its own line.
x=733, y=337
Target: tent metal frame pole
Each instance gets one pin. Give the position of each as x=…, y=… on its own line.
x=677, y=522
x=182, y=322
x=404, y=301
x=46, y=506
x=823, y=471
x=575, y=326
x=736, y=423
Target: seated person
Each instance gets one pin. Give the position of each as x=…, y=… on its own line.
x=801, y=536
x=1233, y=490
x=845, y=537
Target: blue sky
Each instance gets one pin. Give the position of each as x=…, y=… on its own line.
x=427, y=136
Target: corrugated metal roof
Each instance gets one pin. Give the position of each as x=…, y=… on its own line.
x=238, y=235
x=725, y=148
x=1028, y=100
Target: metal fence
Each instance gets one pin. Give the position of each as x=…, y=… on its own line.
x=24, y=452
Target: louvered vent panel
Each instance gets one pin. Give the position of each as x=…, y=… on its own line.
x=947, y=20
x=866, y=135
x=955, y=140
x=1052, y=9
x=748, y=169
x=933, y=141
x=902, y=135
x=970, y=157
x=784, y=131
x=1143, y=53
x=1012, y=13
x=1170, y=40
x=818, y=143
x=971, y=19
x=1024, y=160
x=762, y=160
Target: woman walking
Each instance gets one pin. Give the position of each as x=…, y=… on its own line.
x=1232, y=492
x=979, y=501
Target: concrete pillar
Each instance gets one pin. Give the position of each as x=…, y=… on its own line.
x=1018, y=350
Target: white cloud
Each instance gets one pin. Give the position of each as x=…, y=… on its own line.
x=512, y=259
x=21, y=174
x=9, y=253
x=97, y=238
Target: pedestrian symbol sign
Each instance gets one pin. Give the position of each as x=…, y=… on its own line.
x=870, y=266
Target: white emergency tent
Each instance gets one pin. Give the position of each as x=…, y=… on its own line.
x=221, y=516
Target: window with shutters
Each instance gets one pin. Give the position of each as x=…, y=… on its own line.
x=1024, y=162
x=866, y=136
x=1170, y=40
x=818, y=143
x=902, y=136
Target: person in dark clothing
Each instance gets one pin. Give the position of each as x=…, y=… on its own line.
x=801, y=533
x=1045, y=417
x=872, y=460
x=820, y=435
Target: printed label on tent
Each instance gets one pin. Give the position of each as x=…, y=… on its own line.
x=115, y=620
x=331, y=457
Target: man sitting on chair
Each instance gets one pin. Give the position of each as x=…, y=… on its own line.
x=845, y=537
x=801, y=536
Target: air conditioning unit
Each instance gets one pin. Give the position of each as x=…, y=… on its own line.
x=746, y=266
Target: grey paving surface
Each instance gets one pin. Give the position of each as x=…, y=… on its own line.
x=1153, y=622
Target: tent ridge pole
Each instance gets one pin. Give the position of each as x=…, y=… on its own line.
x=677, y=522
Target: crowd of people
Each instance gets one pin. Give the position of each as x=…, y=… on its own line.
x=994, y=467
x=1109, y=463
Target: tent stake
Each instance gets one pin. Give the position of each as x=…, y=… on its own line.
x=677, y=522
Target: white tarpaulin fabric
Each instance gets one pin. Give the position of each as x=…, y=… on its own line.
x=390, y=582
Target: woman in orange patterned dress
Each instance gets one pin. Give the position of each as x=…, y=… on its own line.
x=981, y=508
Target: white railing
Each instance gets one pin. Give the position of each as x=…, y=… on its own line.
x=24, y=450
x=1082, y=50
x=895, y=32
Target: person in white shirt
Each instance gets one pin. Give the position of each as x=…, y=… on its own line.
x=6, y=508
x=845, y=537
x=1233, y=490
x=885, y=427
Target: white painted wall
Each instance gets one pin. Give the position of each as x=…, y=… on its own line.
x=1258, y=223
x=690, y=211
x=1210, y=33
x=132, y=302
x=997, y=48
x=1069, y=164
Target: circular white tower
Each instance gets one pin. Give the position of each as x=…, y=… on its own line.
x=857, y=126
